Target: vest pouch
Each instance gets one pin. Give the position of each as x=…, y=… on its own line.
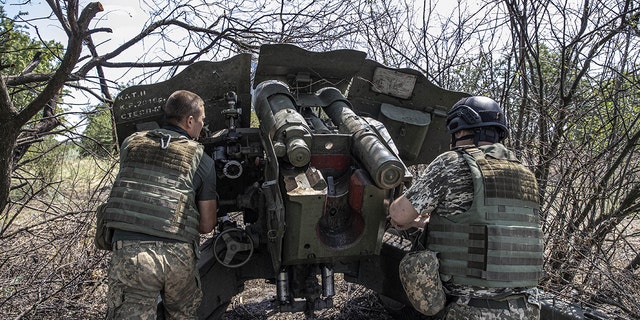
x=104, y=234
x=408, y=127
x=514, y=255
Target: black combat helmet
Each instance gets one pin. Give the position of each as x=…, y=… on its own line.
x=481, y=115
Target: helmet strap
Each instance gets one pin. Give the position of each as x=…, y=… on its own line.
x=487, y=134
x=465, y=137
x=476, y=137
x=479, y=134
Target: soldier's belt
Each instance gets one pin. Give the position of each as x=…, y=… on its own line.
x=120, y=244
x=520, y=302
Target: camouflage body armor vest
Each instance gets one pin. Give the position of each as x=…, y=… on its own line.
x=497, y=243
x=153, y=193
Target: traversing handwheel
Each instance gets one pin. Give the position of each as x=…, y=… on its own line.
x=233, y=247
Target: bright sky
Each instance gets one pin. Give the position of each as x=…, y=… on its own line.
x=124, y=16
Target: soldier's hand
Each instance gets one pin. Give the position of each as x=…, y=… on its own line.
x=398, y=226
x=420, y=221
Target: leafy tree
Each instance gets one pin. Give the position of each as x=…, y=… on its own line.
x=21, y=54
x=18, y=51
x=97, y=138
x=45, y=88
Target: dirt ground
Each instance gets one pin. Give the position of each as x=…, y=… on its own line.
x=351, y=301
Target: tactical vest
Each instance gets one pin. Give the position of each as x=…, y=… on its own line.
x=497, y=243
x=153, y=193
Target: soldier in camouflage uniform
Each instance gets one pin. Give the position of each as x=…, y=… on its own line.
x=481, y=254
x=163, y=198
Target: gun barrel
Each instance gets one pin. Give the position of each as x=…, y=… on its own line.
x=280, y=120
x=383, y=165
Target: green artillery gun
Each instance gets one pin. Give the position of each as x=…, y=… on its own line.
x=312, y=183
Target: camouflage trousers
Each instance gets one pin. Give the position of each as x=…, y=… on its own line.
x=141, y=271
x=420, y=277
x=515, y=308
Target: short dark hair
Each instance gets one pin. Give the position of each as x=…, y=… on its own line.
x=181, y=104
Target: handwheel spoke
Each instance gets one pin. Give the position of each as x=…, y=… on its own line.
x=244, y=247
x=228, y=257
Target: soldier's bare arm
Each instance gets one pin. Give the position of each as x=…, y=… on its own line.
x=207, y=210
x=402, y=213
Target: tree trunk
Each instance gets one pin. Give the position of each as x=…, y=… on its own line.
x=7, y=145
